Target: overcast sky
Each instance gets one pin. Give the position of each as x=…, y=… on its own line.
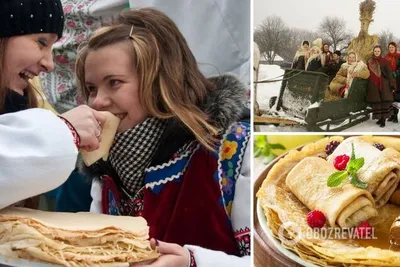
x=295, y=14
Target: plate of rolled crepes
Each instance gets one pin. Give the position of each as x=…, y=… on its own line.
x=335, y=202
x=38, y=238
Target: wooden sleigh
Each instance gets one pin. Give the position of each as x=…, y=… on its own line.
x=302, y=99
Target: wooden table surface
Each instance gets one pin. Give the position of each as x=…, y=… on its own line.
x=265, y=254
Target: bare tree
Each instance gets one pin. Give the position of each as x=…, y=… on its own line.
x=333, y=30
x=294, y=41
x=271, y=37
x=385, y=37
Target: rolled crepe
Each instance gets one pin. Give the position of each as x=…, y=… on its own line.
x=74, y=239
x=381, y=170
x=345, y=206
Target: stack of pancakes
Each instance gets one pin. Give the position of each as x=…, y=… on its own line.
x=74, y=239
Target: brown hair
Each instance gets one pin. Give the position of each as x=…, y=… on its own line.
x=32, y=99
x=392, y=43
x=377, y=46
x=170, y=82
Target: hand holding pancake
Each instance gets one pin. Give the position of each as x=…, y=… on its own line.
x=105, y=137
x=172, y=255
x=86, y=122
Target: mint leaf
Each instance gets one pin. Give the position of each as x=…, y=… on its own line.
x=353, y=154
x=337, y=178
x=266, y=151
x=355, y=165
x=260, y=141
x=356, y=182
x=257, y=152
x=277, y=146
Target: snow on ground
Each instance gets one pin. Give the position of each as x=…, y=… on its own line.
x=367, y=126
x=267, y=90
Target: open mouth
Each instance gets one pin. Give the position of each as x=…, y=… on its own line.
x=26, y=75
x=121, y=116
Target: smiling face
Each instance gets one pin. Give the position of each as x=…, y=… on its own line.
x=377, y=51
x=351, y=58
x=392, y=49
x=25, y=57
x=113, y=83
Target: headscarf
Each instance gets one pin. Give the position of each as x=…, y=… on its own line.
x=374, y=67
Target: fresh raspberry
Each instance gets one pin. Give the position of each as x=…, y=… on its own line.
x=340, y=162
x=379, y=146
x=316, y=219
x=364, y=230
x=331, y=147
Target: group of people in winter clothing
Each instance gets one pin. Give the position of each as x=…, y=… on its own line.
x=314, y=57
x=382, y=72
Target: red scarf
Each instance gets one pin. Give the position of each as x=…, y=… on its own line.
x=392, y=58
x=374, y=67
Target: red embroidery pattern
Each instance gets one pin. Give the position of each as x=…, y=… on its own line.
x=77, y=139
x=132, y=206
x=192, y=260
x=242, y=237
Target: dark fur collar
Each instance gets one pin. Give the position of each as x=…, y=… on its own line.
x=225, y=105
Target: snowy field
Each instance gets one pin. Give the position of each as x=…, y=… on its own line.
x=266, y=90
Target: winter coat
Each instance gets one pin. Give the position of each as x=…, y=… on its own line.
x=332, y=68
x=191, y=196
x=314, y=64
x=383, y=94
x=299, y=60
x=394, y=61
x=344, y=78
x=326, y=58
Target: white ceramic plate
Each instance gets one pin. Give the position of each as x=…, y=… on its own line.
x=276, y=243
